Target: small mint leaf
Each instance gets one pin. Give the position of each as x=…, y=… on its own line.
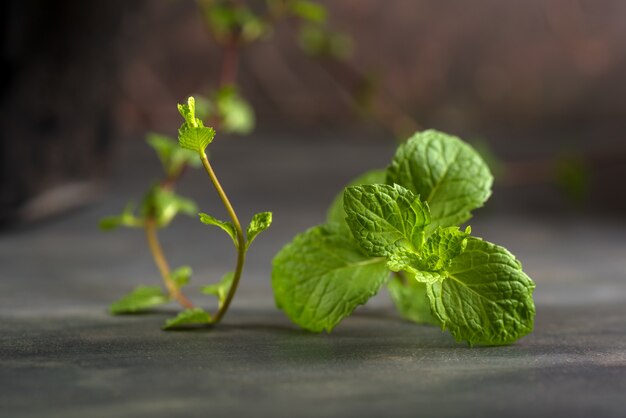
x=172, y=156
x=192, y=134
x=236, y=114
x=322, y=276
x=188, y=317
x=164, y=205
x=259, y=223
x=385, y=219
x=181, y=276
x=140, y=299
x=127, y=218
x=227, y=227
x=220, y=290
x=188, y=112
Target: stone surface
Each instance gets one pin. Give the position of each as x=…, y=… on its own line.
x=61, y=355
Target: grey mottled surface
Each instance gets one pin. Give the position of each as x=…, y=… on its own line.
x=61, y=355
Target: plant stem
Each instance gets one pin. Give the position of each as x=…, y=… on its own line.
x=161, y=262
x=241, y=240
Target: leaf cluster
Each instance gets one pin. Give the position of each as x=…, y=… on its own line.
x=160, y=203
x=404, y=220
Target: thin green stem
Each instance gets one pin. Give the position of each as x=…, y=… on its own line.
x=161, y=262
x=241, y=240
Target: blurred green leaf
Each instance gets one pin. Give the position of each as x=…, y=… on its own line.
x=221, y=288
x=140, y=299
x=181, y=276
x=236, y=114
x=321, y=42
x=172, y=156
x=194, y=316
x=164, y=205
x=127, y=218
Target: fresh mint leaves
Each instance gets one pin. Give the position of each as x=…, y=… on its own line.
x=161, y=205
x=406, y=222
x=193, y=135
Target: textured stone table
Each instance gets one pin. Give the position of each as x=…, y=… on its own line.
x=61, y=355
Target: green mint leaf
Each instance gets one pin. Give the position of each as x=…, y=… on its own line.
x=437, y=253
x=259, y=223
x=195, y=139
x=188, y=317
x=188, y=112
x=446, y=172
x=172, y=157
x=181, y=276
x=227, y=227
x=220, y=289
x=164, y=205
x=385, y=219
x=236, y=114
x=322, y=276
x=486, y=298
x=443, y=246
x=127, y=219
x=192, y=134
x=308, y=11
x=411, y=300
x=140, y=299
x=336, y=213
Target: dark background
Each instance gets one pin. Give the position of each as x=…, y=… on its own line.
x=541, y=83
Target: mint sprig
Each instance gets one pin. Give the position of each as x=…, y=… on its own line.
x=409, y=226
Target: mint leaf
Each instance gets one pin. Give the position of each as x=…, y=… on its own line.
x=194, y=316
x=385, y=219
x=220, y=289
x=140, y=299
x=127, y=218
x=322, y=276
x=181, y=276
x=164, y=205
x=446, y=172
x=486, y=298
x=411, y=300
x=173, y=158
x=227, y=227
x=336, y=212
x=236, y=114
x=259, y=223
x=443, y=246
x=192, y=134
